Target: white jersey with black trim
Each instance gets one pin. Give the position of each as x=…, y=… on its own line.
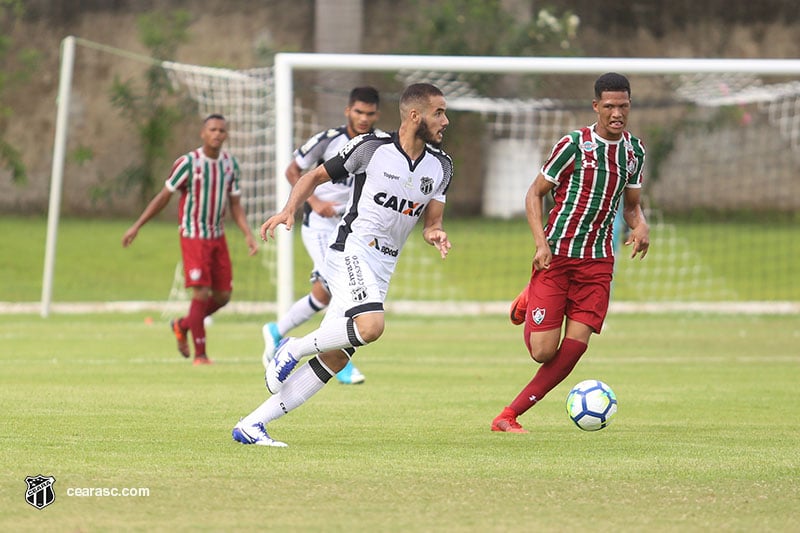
x=390, y=192
x=315, y=151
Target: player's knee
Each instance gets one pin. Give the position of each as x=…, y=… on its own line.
x=541, y=357
x=370, y=327
x=542, y=353
x=543, y=345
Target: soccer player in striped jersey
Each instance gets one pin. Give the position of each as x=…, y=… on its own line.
x=208, y=181
x=588, y=172
x=400, y=178
x=321, y=213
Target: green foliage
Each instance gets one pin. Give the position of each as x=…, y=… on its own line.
x=15, y=68
x=82, y=154
x=155, y=109
x=488, y=28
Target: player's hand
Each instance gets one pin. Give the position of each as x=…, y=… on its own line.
x=252, y=245
x=438, y=238
x=640, y=239
x=326, y=209
x=268, y=228
x=542, y=258
x=127, y=239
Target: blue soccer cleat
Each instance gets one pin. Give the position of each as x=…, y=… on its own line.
x=350, y=375
x=271, y=340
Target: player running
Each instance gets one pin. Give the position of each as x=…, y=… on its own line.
x=322, y=212
x=399, y=178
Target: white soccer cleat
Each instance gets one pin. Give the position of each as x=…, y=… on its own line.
x=271, y=340
x=279, y=367
x=255, y=434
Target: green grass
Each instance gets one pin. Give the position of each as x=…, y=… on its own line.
x=490, y=261
x=705, y=439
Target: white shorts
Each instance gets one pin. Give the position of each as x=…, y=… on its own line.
x=316, y=237
x=358, y=282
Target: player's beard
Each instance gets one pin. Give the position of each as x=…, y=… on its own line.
x=425, y=133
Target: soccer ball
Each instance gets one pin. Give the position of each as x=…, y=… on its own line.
x=591, y=404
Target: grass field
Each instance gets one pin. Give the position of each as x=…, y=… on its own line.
x=706, y=437
x=490, y=261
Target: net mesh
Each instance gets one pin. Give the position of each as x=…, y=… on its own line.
x=721, y=191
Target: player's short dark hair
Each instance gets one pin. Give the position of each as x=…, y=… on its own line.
x=213, y=116
x=611, y=81
x=418, y=92
x=366, y=94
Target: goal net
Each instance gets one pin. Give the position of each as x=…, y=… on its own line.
x=721, y=191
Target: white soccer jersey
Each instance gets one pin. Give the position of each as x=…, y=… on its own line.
x=390, y=193
x=316, y=151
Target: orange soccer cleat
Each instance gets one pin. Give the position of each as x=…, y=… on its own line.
x=519, y=307
x=180, y=336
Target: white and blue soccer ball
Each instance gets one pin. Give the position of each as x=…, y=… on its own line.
x=591, y=404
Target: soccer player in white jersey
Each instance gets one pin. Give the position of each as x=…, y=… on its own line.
x=321, y=213
x=587, y=173
x=208, y=181
x=399, y=178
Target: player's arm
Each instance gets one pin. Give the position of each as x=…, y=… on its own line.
x=432, y=232
x=534, y=200
x=321, y=207
x=155, y=206
x=632, y=211
x=239, y=216
x=302, y=189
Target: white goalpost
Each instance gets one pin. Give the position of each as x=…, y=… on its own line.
x=267, y=121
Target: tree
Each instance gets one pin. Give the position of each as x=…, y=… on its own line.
x=155, y=110
x=489, y=28
x=15, y=67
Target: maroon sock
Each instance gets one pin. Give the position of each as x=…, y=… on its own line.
x=212, y=306
x=549, y=375
x=197, y=312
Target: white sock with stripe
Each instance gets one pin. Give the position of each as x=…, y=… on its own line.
x=334, y=334
x=299, y=313
x=301, y=385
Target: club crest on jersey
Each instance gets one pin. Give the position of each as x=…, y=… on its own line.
x=426, y=185
x=633, y=164
x=538, y=315
x=40, y=491
x=358, y=294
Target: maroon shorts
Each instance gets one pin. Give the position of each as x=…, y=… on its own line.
x=207, y=263
x=576, y=288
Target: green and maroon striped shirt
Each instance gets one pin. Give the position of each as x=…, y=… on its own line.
x=205, y=185
x=590, y=175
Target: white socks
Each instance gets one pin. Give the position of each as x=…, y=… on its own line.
x=299, y=313
x=333, y=334
x=301, y=385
